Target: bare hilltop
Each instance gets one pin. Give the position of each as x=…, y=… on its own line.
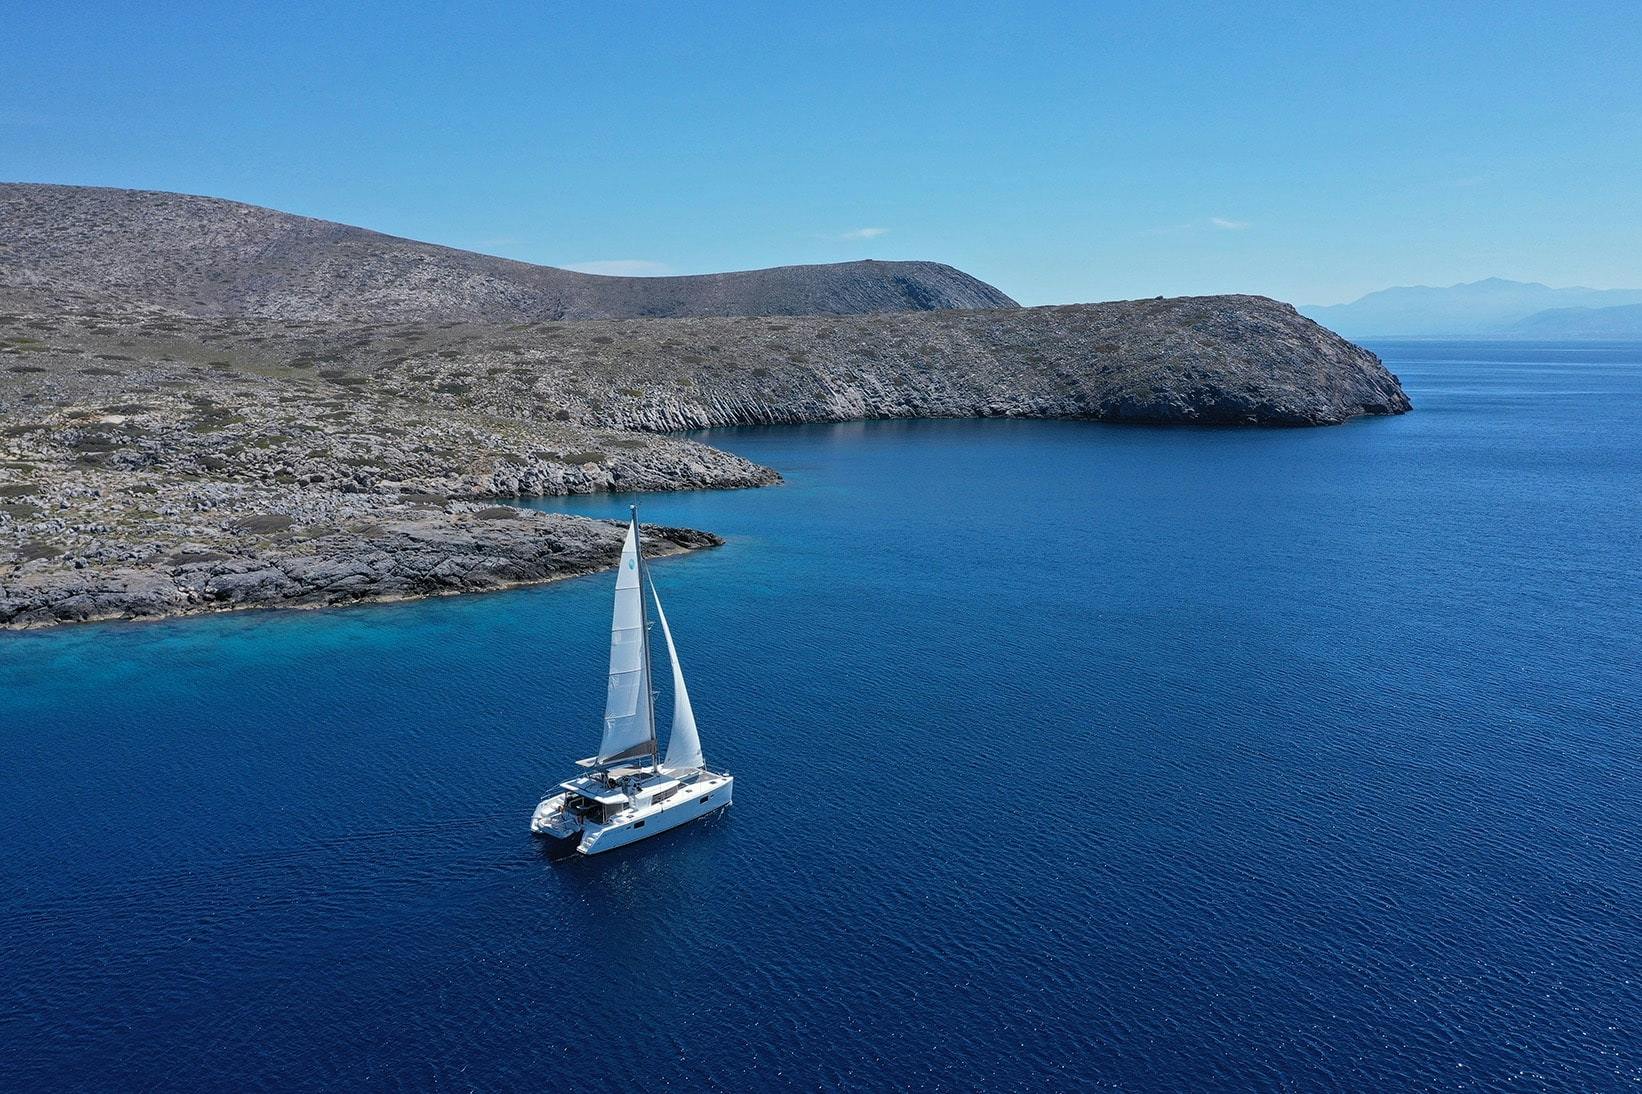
x=156, y=460
x=93, y=247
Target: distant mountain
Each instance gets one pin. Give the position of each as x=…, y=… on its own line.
x=94, y=248
x=1494, y=307
x=1620, y=323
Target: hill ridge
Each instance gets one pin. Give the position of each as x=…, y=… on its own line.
x=1490, y=307
x=103, y=248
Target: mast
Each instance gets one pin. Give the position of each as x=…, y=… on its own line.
x=644, y=637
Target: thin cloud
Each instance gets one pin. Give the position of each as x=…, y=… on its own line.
x=621, y=267
x=864, y=233
x=1219, y=224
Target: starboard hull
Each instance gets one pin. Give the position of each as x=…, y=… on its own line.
x=700, y=804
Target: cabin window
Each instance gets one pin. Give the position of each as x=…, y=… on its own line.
x=638, y=824
x=704, y=800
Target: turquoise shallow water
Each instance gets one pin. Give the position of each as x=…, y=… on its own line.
x=1066, y=755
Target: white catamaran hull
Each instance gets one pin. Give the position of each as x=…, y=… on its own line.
x=695, y=800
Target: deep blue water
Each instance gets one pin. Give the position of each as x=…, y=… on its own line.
x=1066, y=754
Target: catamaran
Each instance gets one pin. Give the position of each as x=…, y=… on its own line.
x=628, y=791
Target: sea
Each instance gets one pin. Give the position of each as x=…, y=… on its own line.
x=1068, y=756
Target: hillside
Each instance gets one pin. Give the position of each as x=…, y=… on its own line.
x=1563, y=324
x=162, y=465
x=107, y=250
x=1479, y=309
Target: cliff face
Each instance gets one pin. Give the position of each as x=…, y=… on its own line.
x=1231, y=360
x=1239, y=360
x=95, y=249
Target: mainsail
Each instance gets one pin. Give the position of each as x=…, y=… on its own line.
x=683, y=743
x=629, y=715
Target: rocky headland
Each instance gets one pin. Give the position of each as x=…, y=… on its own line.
x=159, y=463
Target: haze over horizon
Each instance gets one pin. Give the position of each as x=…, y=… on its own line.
x=1063, y=156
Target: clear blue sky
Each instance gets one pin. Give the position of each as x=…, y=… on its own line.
x=1063, y=152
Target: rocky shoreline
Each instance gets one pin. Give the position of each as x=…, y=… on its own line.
x=155, y=464
x=467, y=550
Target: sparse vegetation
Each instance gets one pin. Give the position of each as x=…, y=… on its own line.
x=266, y=523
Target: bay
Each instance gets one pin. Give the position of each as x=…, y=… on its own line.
x=1067, y=754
